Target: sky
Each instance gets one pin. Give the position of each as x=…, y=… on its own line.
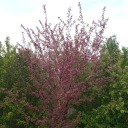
x=13, y=13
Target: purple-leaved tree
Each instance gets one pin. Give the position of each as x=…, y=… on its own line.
x=57, y=62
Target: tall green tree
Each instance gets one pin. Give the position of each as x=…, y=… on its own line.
x=109, y=108
x=12, y=71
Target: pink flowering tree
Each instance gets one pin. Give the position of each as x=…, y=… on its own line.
x=62, y=66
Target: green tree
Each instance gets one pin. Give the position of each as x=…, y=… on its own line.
x=124, y=57
x=109, y=108
x=11, y=73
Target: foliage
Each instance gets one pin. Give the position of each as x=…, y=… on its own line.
x=109, y=108
x=63, y=81
x=11, y=72
x=56, y=64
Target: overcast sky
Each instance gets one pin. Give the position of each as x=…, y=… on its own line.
x=13, y=13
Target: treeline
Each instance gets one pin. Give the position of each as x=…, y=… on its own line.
x=60, y=81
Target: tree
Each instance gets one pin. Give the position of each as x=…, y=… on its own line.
x=109, y=107
x=124, y=56
x=13, y=77
x=8, y=111
x=56, y=62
